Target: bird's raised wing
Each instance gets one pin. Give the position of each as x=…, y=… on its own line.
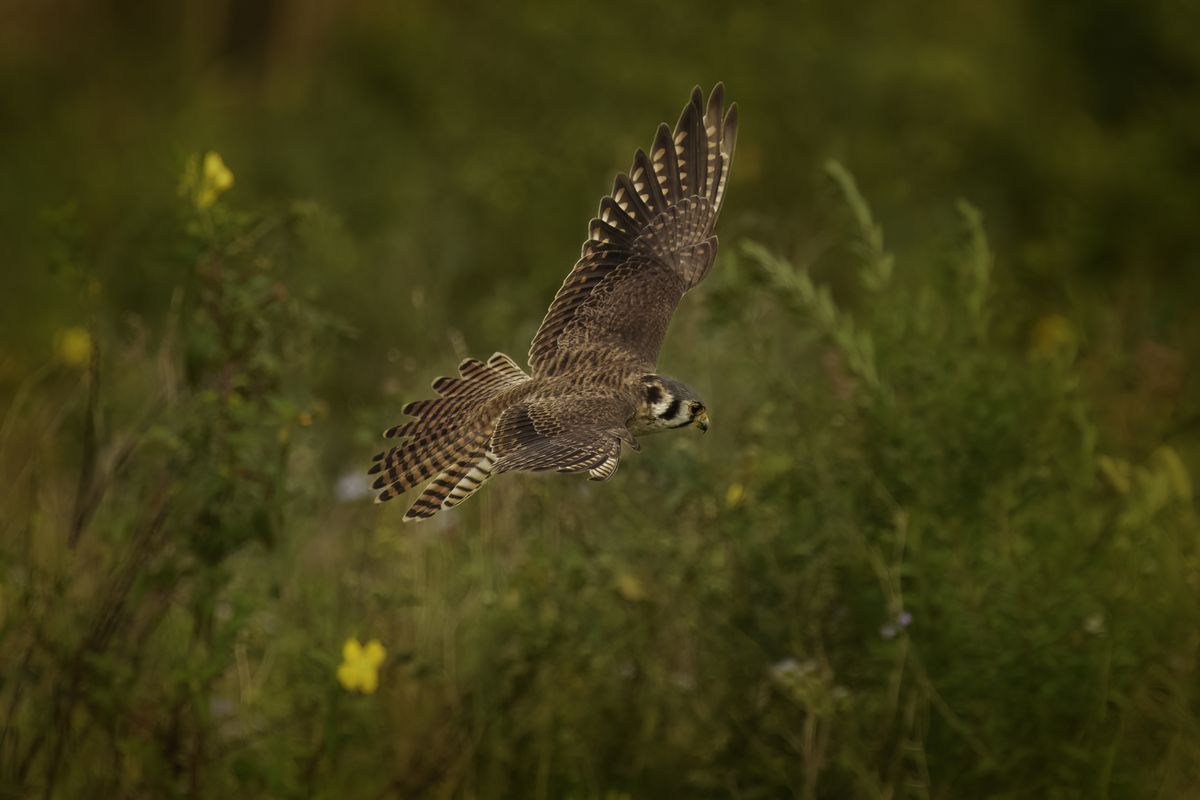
x=651, y=243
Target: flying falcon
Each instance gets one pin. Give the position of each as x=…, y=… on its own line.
x=592, y=383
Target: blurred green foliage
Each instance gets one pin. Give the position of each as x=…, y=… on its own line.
x=941, y=541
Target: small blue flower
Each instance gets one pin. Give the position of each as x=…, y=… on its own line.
x=892, y=629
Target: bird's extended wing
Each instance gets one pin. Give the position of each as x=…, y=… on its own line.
x=568, y=434
x=651, y=243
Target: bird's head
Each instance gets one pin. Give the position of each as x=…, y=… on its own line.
x=665, y=404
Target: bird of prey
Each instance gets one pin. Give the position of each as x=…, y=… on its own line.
x=592, y=383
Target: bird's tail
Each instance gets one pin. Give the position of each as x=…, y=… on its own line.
x=448, y=439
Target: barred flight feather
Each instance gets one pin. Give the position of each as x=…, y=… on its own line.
x=604, y=471
x=664, y=209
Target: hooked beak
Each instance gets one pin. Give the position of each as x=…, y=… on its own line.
x=701, y=421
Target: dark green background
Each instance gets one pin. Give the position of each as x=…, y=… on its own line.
x=1028, y=501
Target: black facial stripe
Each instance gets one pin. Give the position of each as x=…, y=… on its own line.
x=653, y=395
x=672, y=410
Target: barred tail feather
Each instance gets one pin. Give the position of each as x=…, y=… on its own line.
x=470, y=483
x=447, y=440
x=453, y=486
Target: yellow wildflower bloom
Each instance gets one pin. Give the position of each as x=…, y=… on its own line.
x=359, y=670
x=215, y=180
x=734, y=495
x=1051, y=334
x=74, y=347
x=630, y=588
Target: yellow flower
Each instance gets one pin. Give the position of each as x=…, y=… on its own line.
x=1051, y=334
x=74, y=347
x=734, y=495
x=630, y=588
x=359, y=669
x=215, y=179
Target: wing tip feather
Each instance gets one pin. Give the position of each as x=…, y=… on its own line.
x=731, y=126
x=716, y=98
x=681, y=181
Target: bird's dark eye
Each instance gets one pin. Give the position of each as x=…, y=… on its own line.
x=694, y=408
x=653, y=394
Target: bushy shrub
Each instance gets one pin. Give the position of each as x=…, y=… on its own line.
x=128, y=605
